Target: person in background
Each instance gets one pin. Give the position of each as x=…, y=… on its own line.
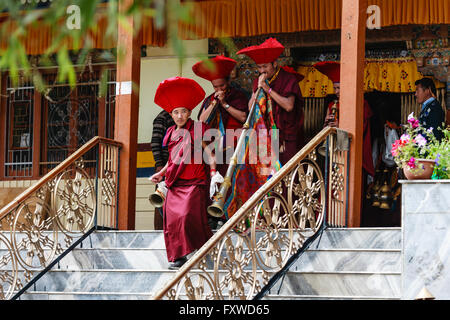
x=431, y=114
x=161, y=123
x=332, y=70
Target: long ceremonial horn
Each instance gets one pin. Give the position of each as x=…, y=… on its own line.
x=216, y=208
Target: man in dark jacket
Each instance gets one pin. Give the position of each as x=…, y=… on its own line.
x=161, y=123
x=431, y=115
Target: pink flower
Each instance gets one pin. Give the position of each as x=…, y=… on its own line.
x=398, y=144
x=394, y=149
x=405, y=138
x=394, y=152
x=413, y=121
x=420, y=140
x=412, y=163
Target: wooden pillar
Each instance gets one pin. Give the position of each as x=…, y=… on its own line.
x=37, y=130
x=351, y=102
x=126, y=118
x=3, y=122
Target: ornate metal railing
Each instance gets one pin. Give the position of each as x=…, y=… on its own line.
x=47, y=220
x=271, y=226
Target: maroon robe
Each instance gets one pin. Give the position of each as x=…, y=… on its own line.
x=290, y=124
x=367, y=141
x=236, y=99
x=185, y=221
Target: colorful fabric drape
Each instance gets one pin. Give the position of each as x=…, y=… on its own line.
x=249, y=177
x=215, y=118
x=393, y=75
x=39, y=37
x=387, y=75
x=243, y=18
x=215, y=121
x=315, y=84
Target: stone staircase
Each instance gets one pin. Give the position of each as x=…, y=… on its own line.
x=363, y=263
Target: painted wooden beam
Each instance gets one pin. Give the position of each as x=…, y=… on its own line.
x=126, y=117
x=353, y=35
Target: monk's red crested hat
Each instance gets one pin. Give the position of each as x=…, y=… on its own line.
x=219, y=67
x=299, y=76
x=331, y=69
x=179, y=92
x=266, y=52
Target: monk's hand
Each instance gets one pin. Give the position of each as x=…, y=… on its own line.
x=156, y=178
x=330, y=121
x=220, y=95
x=262, y=81
x=162, y=187
x=216, y=180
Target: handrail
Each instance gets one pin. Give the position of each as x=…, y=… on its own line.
x=69, y=201
x=63, y=165
x=261, y=200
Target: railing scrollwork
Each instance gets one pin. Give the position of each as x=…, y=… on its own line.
x=46, y=219
x=259, y=239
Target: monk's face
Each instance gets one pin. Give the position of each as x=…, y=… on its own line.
x=220, y=85
x=180, y=116
x=267, y=68
x=337, y=88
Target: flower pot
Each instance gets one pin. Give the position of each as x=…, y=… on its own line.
x=424, y=170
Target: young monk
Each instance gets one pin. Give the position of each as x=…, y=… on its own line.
x=185, y=221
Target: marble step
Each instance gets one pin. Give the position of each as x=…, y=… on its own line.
x=359, y=238
x=368, y=284
x=156, y=259
x=57, y=295
x=332, y=238
x=98, y=281
x=144, y=296
x=356, y=260
x=311, y=260
x=102, y=239
x=341, y=284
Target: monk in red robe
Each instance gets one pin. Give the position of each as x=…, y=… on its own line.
x=224, y=109
x=332, y=70
x=283, y=89
x=185, y=222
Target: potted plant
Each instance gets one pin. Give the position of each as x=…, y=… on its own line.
x=440, y=151
x=418, y=152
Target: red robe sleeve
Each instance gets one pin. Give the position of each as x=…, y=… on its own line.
x=367, y=143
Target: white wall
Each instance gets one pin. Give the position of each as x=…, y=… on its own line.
x=160, y=64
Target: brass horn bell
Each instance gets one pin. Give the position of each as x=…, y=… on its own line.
x=385, y=194
x=157, y=198
x=322, y=150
